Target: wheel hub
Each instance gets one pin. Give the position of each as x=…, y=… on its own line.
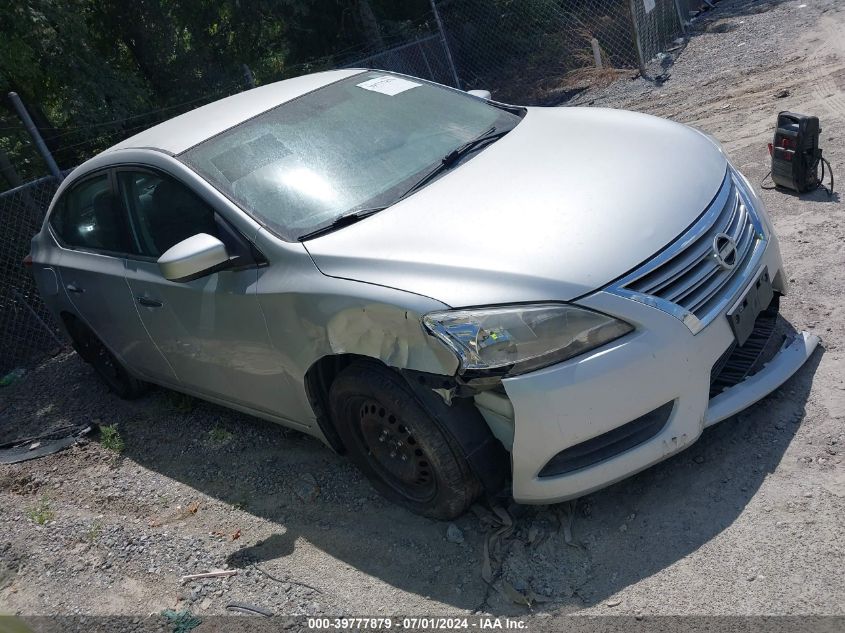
x=395, y=451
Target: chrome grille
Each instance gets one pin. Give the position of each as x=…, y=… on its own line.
x=687, y=279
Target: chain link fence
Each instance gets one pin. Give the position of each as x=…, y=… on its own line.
x=657, y=24
x=532, y=52
x=26, y=327
x=425, y=57
x=535, y=52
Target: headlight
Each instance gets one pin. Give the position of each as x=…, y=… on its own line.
x=517, y=339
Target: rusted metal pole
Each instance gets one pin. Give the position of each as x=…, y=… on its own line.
x=35, y=134
x=637, y=41
x=683, y=14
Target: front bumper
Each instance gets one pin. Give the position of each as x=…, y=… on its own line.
x=661, y=362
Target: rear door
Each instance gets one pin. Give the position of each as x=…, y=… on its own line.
x=211, y=329
x=93, y=232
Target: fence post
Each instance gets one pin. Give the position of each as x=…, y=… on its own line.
x=684, y=19
x=248, y=76
x=596, y=53
x=446, y=45
x=637, y=41
x=425, y=60
x=36, y=136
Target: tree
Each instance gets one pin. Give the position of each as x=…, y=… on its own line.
x=93, y=72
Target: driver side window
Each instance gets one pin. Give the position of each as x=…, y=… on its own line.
x=162, y=211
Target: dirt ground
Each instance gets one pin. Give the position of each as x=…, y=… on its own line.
x=747, y=521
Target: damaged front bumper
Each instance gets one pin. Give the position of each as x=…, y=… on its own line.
x=584, y=424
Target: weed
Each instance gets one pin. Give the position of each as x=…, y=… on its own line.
x=219, y=434
x=41, y=513
x=110, y=438
x=93, y=532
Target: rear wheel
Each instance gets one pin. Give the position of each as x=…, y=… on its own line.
x=108, y=367
x=406, y=454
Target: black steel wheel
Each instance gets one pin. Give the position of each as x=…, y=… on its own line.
x=107, y=366
x=395, y=452
x=405, y=452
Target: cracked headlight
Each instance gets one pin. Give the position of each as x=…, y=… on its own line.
x=517, y=339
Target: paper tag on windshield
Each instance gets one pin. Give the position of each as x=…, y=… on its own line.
x=388, y=85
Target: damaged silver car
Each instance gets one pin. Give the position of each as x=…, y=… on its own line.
x=458, y=294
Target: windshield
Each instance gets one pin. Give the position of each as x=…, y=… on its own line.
x=354, y=144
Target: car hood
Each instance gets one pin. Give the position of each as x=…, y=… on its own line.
x=568, y=201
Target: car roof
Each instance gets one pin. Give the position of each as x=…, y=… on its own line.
x=187, y=130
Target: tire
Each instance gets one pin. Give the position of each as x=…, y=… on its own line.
x=404, y=452
x=110, y=370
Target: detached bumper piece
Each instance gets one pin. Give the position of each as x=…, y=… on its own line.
x=738, y=362
x=778, y=370
x=610, y=444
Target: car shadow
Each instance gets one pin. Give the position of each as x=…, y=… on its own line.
x=570, y=555
x=820, y=194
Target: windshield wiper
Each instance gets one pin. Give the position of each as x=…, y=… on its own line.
x=344, y=220
x=446, y=163
x=452, y=158
x=456, y=154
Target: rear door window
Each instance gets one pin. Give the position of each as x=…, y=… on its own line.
x=88, y=217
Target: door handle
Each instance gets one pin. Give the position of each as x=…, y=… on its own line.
x=74, y=288
x=150, y=303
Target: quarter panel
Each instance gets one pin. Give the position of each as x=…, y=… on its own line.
x=310, y=316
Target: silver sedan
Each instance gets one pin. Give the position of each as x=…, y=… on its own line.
x=463, y=296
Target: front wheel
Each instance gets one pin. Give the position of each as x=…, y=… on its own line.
x=407, y=456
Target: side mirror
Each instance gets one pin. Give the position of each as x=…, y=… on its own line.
x=194, y=257
x=481, y=94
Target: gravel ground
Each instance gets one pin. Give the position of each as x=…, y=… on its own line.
x=748, y=521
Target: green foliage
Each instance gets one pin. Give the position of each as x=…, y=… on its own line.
x=110, y=438
x=181, y=621
x=41, y=513
x=93, y=532
x=219, y=434
x=93, y=72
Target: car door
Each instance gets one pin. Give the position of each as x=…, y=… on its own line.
x=93, y=232
x=211, y=329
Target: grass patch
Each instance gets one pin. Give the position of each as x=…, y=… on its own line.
x=110, y=438
x=93, y=532
x=41, y=513
x=219, y=434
